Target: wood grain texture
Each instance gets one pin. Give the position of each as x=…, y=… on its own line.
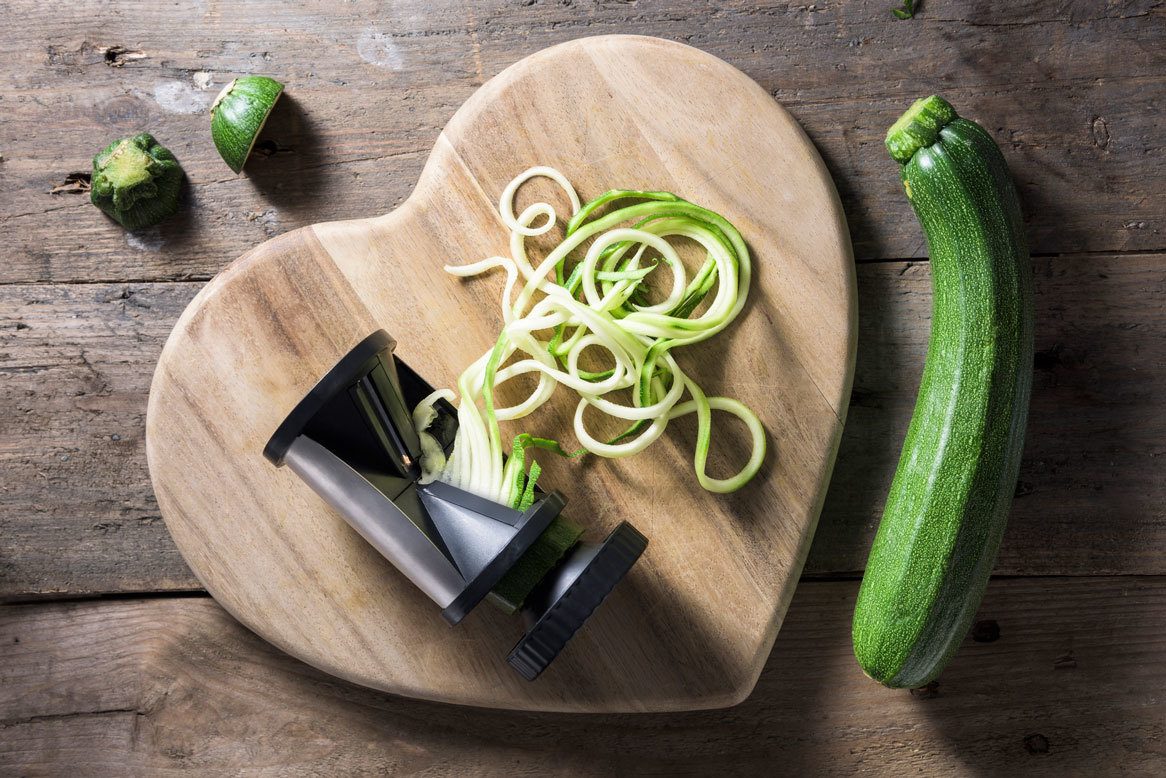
x=1072, y=91
x=81, y=518
x=692, y=625
x=1072, y=686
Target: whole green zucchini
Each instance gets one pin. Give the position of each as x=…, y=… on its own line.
x=950, y=497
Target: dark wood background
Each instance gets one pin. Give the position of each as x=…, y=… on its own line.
x=113, y=661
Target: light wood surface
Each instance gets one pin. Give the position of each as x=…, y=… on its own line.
x=692, y=625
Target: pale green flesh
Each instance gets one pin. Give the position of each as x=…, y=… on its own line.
x=584, y=294
x=949, y=501
x=128, y=165
x=592, y=307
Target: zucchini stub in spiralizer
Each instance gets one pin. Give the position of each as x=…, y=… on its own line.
x=949, y=500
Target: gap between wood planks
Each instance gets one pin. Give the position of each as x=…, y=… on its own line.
x=200, y=278
x=97, y=598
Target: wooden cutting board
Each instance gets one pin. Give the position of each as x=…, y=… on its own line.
x=693, y=623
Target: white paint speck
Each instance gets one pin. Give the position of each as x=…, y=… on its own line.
x=203, y=80
x=180, y=97
x=380, y=49
x=267, y=219
x=149, y=239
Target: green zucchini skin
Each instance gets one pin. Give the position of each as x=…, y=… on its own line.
x=949, y=501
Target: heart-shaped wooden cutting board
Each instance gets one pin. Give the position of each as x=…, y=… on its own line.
x=693, y=623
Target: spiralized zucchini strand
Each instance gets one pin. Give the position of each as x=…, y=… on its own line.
x=599, y=304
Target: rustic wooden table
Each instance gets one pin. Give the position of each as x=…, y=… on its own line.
x=112, y=661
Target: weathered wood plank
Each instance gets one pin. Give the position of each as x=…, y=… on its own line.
x=1071, y=687
x=75, y=367
x=373, y=85
x=76, y=361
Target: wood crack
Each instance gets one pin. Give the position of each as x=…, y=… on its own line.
x=46, y=717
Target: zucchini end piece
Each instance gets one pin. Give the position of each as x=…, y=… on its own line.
x=136, y=181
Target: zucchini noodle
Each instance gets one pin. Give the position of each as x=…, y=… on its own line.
x=596, y=303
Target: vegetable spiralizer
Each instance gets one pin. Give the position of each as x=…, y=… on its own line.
x=352, y=440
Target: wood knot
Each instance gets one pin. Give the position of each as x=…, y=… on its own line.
x=986, y=631
x=74, y=183
x=1050, y=358
x=118, y=56
x=1100, y=133
x=1036, y=744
